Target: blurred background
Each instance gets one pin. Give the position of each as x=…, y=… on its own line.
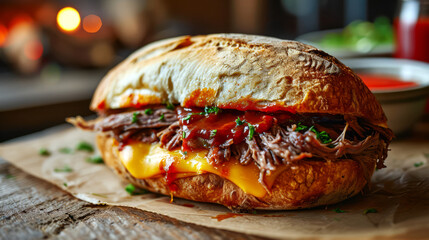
x=54, y=53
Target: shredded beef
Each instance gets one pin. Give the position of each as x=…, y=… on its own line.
x=281, y=145
x=124, y=121
x=171, y=137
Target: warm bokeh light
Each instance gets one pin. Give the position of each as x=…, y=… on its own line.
x=33, y=49
x=68, y=19
x=92, y=23
x=3, y=35
x=19, y=19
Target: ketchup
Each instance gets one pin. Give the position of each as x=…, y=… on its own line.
x=382, y=82
x=202, y=130
x=412, y=38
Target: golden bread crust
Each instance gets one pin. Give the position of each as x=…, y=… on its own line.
x=303, y=184
x=239, y=72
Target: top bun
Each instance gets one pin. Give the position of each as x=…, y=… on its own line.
x=237, y=71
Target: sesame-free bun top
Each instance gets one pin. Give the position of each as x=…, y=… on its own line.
x=236, y=71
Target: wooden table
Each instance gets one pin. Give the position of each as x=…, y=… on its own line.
x=31, y=208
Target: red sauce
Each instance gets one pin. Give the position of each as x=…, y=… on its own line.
x=101, y=105
x=188, y=205
x=221, y=217
x=381, y=82
x=216, y=129
x=412, y=38
x=170, y=174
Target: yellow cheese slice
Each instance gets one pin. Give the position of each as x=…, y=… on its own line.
x=145, y=161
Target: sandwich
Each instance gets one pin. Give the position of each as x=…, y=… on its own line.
x=249, y=122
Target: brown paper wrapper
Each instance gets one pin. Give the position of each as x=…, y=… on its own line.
x=399, y=194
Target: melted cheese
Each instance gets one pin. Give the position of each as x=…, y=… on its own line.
x=145, y=161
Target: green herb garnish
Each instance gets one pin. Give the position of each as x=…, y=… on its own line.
x=370, y=210
x=148, y=111
x=183, y=135
x=161, y=118
x=418, y=164
x=44, y=152
x=95, y=159
x=337, y=210
x=187, y=118
x=213, y=133
x=132, y=190
x=209, y=110
x=65, y=150
x=65, y=184
x=135, y=117
x=170, y=106
x=251, y=131
x=239, y=121
x=300, y=127
x=9, y=176
x=185, y=153
x=322, y=136
x=85, y=146
x=66, y=168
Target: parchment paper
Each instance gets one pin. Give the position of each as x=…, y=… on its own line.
x=399, y=193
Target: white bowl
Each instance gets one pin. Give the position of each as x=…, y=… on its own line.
x=403, y=107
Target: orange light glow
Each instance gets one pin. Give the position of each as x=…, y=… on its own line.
x=3, y=35
x=68, y=19
x=20, y=19
x=92, y=23
x=33, y=49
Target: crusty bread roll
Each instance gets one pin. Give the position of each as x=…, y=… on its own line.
x=238, y=72
x=242, y=73
x=303, y=184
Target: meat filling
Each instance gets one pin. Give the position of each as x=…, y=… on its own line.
x=269, y=140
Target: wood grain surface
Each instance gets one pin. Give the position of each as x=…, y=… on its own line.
x=31, y=208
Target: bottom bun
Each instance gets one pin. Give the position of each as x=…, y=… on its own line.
x=303, y=184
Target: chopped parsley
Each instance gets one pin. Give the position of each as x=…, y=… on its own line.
x=209, y=110
x=239, y=121
x=213, y=133
x=185, y=153
x=95, y=159
x=85, y=146
x=370, y=210
x=300, y=127
x=135, y=117
x=251, y=131
x=148, y=111
x=183, y=135
x=65, y=150
x=132, y=190
x=66, y=168
x=322, y=136
x=10, y=176
x=337, y=210
x=187, y=118
x=162, y=118
x=44, y=152
x=170, y=106
x=418, y=164
x=65, y=184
